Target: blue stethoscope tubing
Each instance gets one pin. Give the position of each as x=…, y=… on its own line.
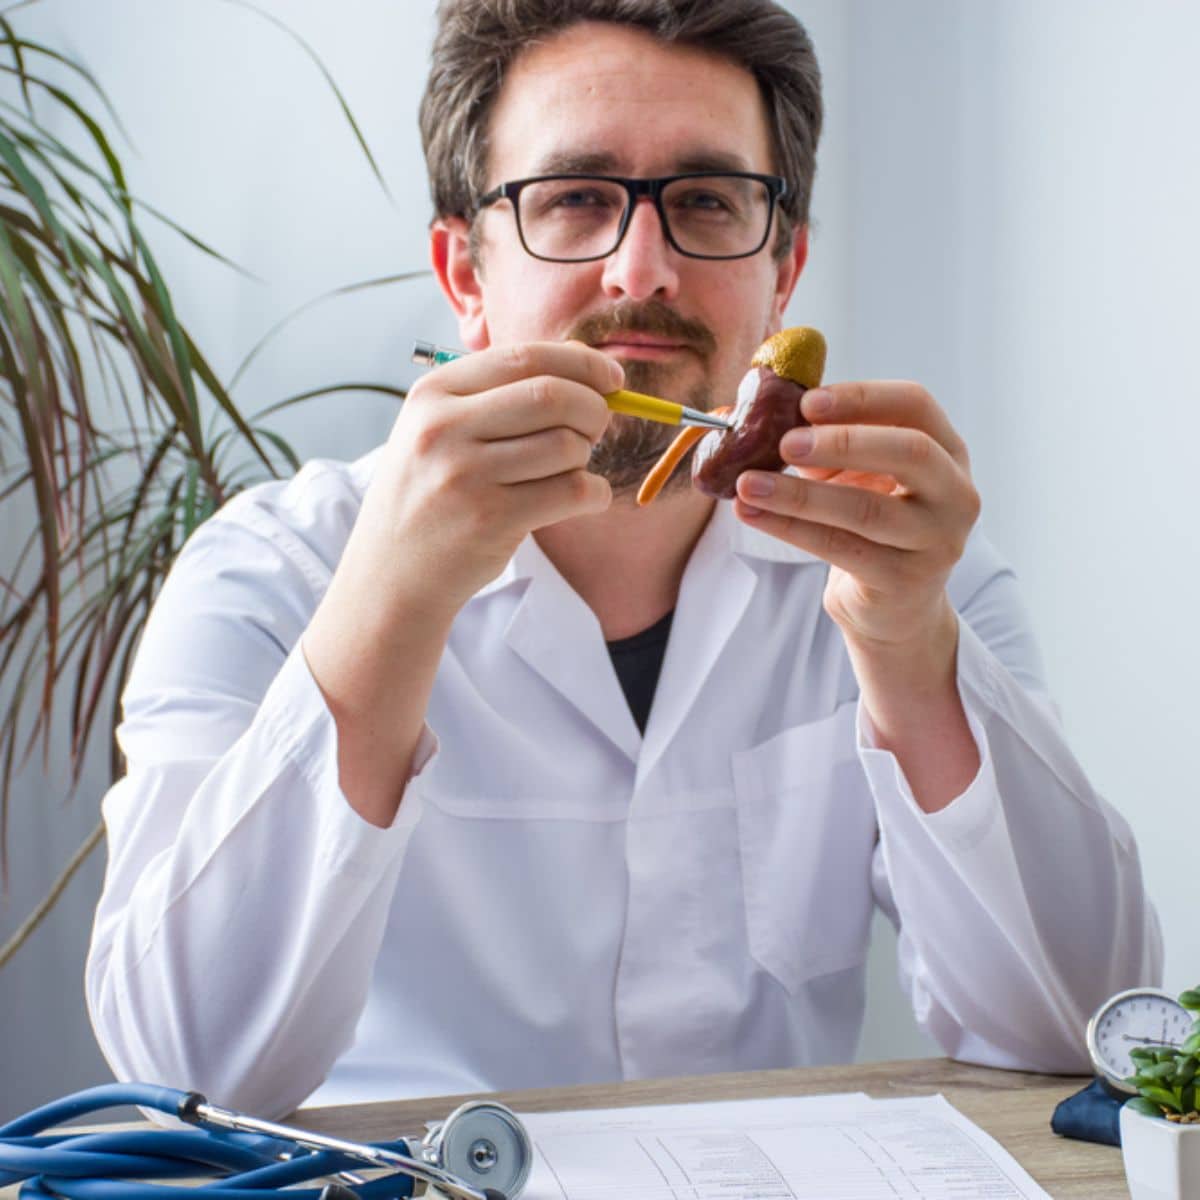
x=102, y=1166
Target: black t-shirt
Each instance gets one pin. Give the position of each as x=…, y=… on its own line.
x=638, y=661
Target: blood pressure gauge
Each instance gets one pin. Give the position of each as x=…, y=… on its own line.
x=1138, y=1017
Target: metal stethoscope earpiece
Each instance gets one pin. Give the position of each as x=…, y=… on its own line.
x=479, y=1152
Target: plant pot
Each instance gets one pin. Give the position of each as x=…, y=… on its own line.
x=1162, y=1158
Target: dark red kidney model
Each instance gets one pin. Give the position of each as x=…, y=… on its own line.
x=783, y=368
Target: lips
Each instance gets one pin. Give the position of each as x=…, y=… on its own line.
x=632, y=345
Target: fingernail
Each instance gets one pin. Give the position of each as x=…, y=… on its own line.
x=818, y=401
x=758, y=485
x=618, y=374
x=797, y=443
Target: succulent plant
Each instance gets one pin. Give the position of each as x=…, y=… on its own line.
x=1167, y=1077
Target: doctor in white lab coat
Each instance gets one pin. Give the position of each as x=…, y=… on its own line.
x=397, y=820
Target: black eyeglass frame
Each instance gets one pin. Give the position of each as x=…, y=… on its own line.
x=635, y=189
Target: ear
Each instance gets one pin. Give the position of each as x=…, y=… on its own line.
x=458, y=277
x=788, y=272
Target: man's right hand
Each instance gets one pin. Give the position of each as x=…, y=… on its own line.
x=485, y=450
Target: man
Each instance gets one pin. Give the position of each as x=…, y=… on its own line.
x=391, y=824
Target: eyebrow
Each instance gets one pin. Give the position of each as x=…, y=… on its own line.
x=568, y=162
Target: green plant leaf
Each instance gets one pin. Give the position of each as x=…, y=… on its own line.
x=31, y=188
x=1161, y=1096
x=1146, y=1107
x=332, y=390
x=88, y=324
x=1160, y=1070
x=225, y=402
x=20, y=45
x=362, y=141
x=17, y=46
x=1191, y=999
x=95, y=132
x=348, y=290
x=113, y=190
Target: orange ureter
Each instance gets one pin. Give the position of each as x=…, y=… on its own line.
x=685, y=439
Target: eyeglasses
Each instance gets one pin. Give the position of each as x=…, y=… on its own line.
x=579, y=218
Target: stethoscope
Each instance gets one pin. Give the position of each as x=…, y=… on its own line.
x=479, y=1152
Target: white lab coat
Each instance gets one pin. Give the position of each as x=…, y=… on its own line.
x=561, y=899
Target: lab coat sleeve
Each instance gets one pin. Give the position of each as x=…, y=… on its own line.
x=1020, y=905
x=244, y=900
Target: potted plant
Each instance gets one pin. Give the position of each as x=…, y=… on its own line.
x=117, y=436
x=1160, y=1127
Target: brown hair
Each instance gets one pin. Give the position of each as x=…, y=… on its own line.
x=477, y=40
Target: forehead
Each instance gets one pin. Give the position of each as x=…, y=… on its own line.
x=604, y=97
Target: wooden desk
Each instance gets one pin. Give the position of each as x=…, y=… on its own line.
x=1013, y=1107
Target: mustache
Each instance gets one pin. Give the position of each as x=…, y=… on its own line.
x=653, y=317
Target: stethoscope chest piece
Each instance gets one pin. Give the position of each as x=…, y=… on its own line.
x=483, y=1144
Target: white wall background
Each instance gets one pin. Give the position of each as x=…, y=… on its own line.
x=1006, y=211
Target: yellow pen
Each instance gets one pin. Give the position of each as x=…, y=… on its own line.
x=633, y=404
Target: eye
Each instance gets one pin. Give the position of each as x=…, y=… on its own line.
x=708, y=200
x=574, y=198
x=581, y=198
x=568, y=198
x=698, y=198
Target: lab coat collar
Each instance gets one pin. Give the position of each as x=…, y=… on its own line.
x=528, y=561
x=560, y=638
x=716, y=589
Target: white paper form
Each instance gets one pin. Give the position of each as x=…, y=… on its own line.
x=846, y=1147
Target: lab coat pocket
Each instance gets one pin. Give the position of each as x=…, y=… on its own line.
x=806, y=833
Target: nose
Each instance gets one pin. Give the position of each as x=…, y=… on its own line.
x=644, y=265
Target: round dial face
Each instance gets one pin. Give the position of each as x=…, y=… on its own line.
x=1139, y=1017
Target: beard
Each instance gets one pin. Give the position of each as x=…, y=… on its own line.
x=630, y=445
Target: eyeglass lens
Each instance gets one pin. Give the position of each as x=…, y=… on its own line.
x=714, y=216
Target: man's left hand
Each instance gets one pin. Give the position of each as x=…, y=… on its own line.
x=884, y=496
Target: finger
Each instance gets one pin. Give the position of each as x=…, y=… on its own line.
x=885, y=520
x=884, y=484
x=910, y=456
x=498, y=365
x=539, y=402
x=871, y=564
x=883, y=402
x=535, y=456
x=541, y=502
